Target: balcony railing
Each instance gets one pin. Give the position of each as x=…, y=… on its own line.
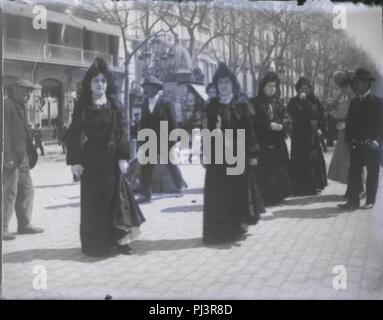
x=33, y=50
x=57, y=52
x=23, y=48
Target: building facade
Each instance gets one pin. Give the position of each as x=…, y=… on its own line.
x=55, y=58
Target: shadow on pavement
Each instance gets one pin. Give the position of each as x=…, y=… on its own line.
x=64, y=254
x=313, y=199
x=313, y=213
x=191, y=208
x=54, y=185
x=142, y=247
x=61, y=206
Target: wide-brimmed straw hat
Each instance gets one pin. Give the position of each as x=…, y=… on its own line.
x=343, y=78
x=363, y=74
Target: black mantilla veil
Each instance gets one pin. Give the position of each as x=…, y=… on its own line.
x=85, y=100
x=98, y=66
x=302, y=81
x=223, y=71
x=267, y=78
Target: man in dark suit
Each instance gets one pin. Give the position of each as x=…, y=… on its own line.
x=18, y=186
x=154, y=110
x=364, y=132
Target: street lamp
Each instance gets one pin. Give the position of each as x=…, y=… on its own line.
x=156, y=58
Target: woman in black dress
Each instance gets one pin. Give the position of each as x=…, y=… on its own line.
x=98, y=152
x=308, y=168
x=228, y=203
x=270, y=122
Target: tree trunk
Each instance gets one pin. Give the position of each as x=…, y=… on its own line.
x=252, y=71
x=2, y=137
x=192, y=44
x=126, y=98
x=128, y=57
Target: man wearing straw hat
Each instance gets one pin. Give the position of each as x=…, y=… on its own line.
x=364, y=131
x=19, y=157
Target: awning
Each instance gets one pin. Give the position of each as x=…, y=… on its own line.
x=201, y=90
x=100, y=27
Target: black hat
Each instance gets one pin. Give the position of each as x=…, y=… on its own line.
x=154, y=82
x=363, y=74
x=270, y=76
x=343, y=78
x=301, y=82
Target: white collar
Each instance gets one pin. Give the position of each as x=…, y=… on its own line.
x=155, y=98
x=153, y=101
x=100, y=101
x=365, y=94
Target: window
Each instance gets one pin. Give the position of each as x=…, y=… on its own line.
x=96, y=41
x=19, y=27
x=72, y=37
x=54, y=33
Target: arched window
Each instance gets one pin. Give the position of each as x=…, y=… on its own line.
x=52, y=101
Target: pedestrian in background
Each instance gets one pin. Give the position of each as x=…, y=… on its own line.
x=38, y=136
x=340, y=161
x=270, y=123
x=155, y=109
x=110, y=216
x=211, y=92
x=63, y=132
x=308, y=168
x=331, y=125
x=364, y=131
x=197, y=121
x=133, y=134
x=19, y=157
x=134, y=126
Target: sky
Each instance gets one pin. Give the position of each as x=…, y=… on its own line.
x=364, y=25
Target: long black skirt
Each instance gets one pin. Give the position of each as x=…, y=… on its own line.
x=230, y=203
x=308, y=170
x=273, y=176
x=108, y=211
x=255, y=200
x=162, y=182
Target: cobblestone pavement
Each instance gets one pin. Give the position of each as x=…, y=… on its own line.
x=290, y=254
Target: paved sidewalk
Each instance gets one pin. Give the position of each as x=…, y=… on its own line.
x=290, y=254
